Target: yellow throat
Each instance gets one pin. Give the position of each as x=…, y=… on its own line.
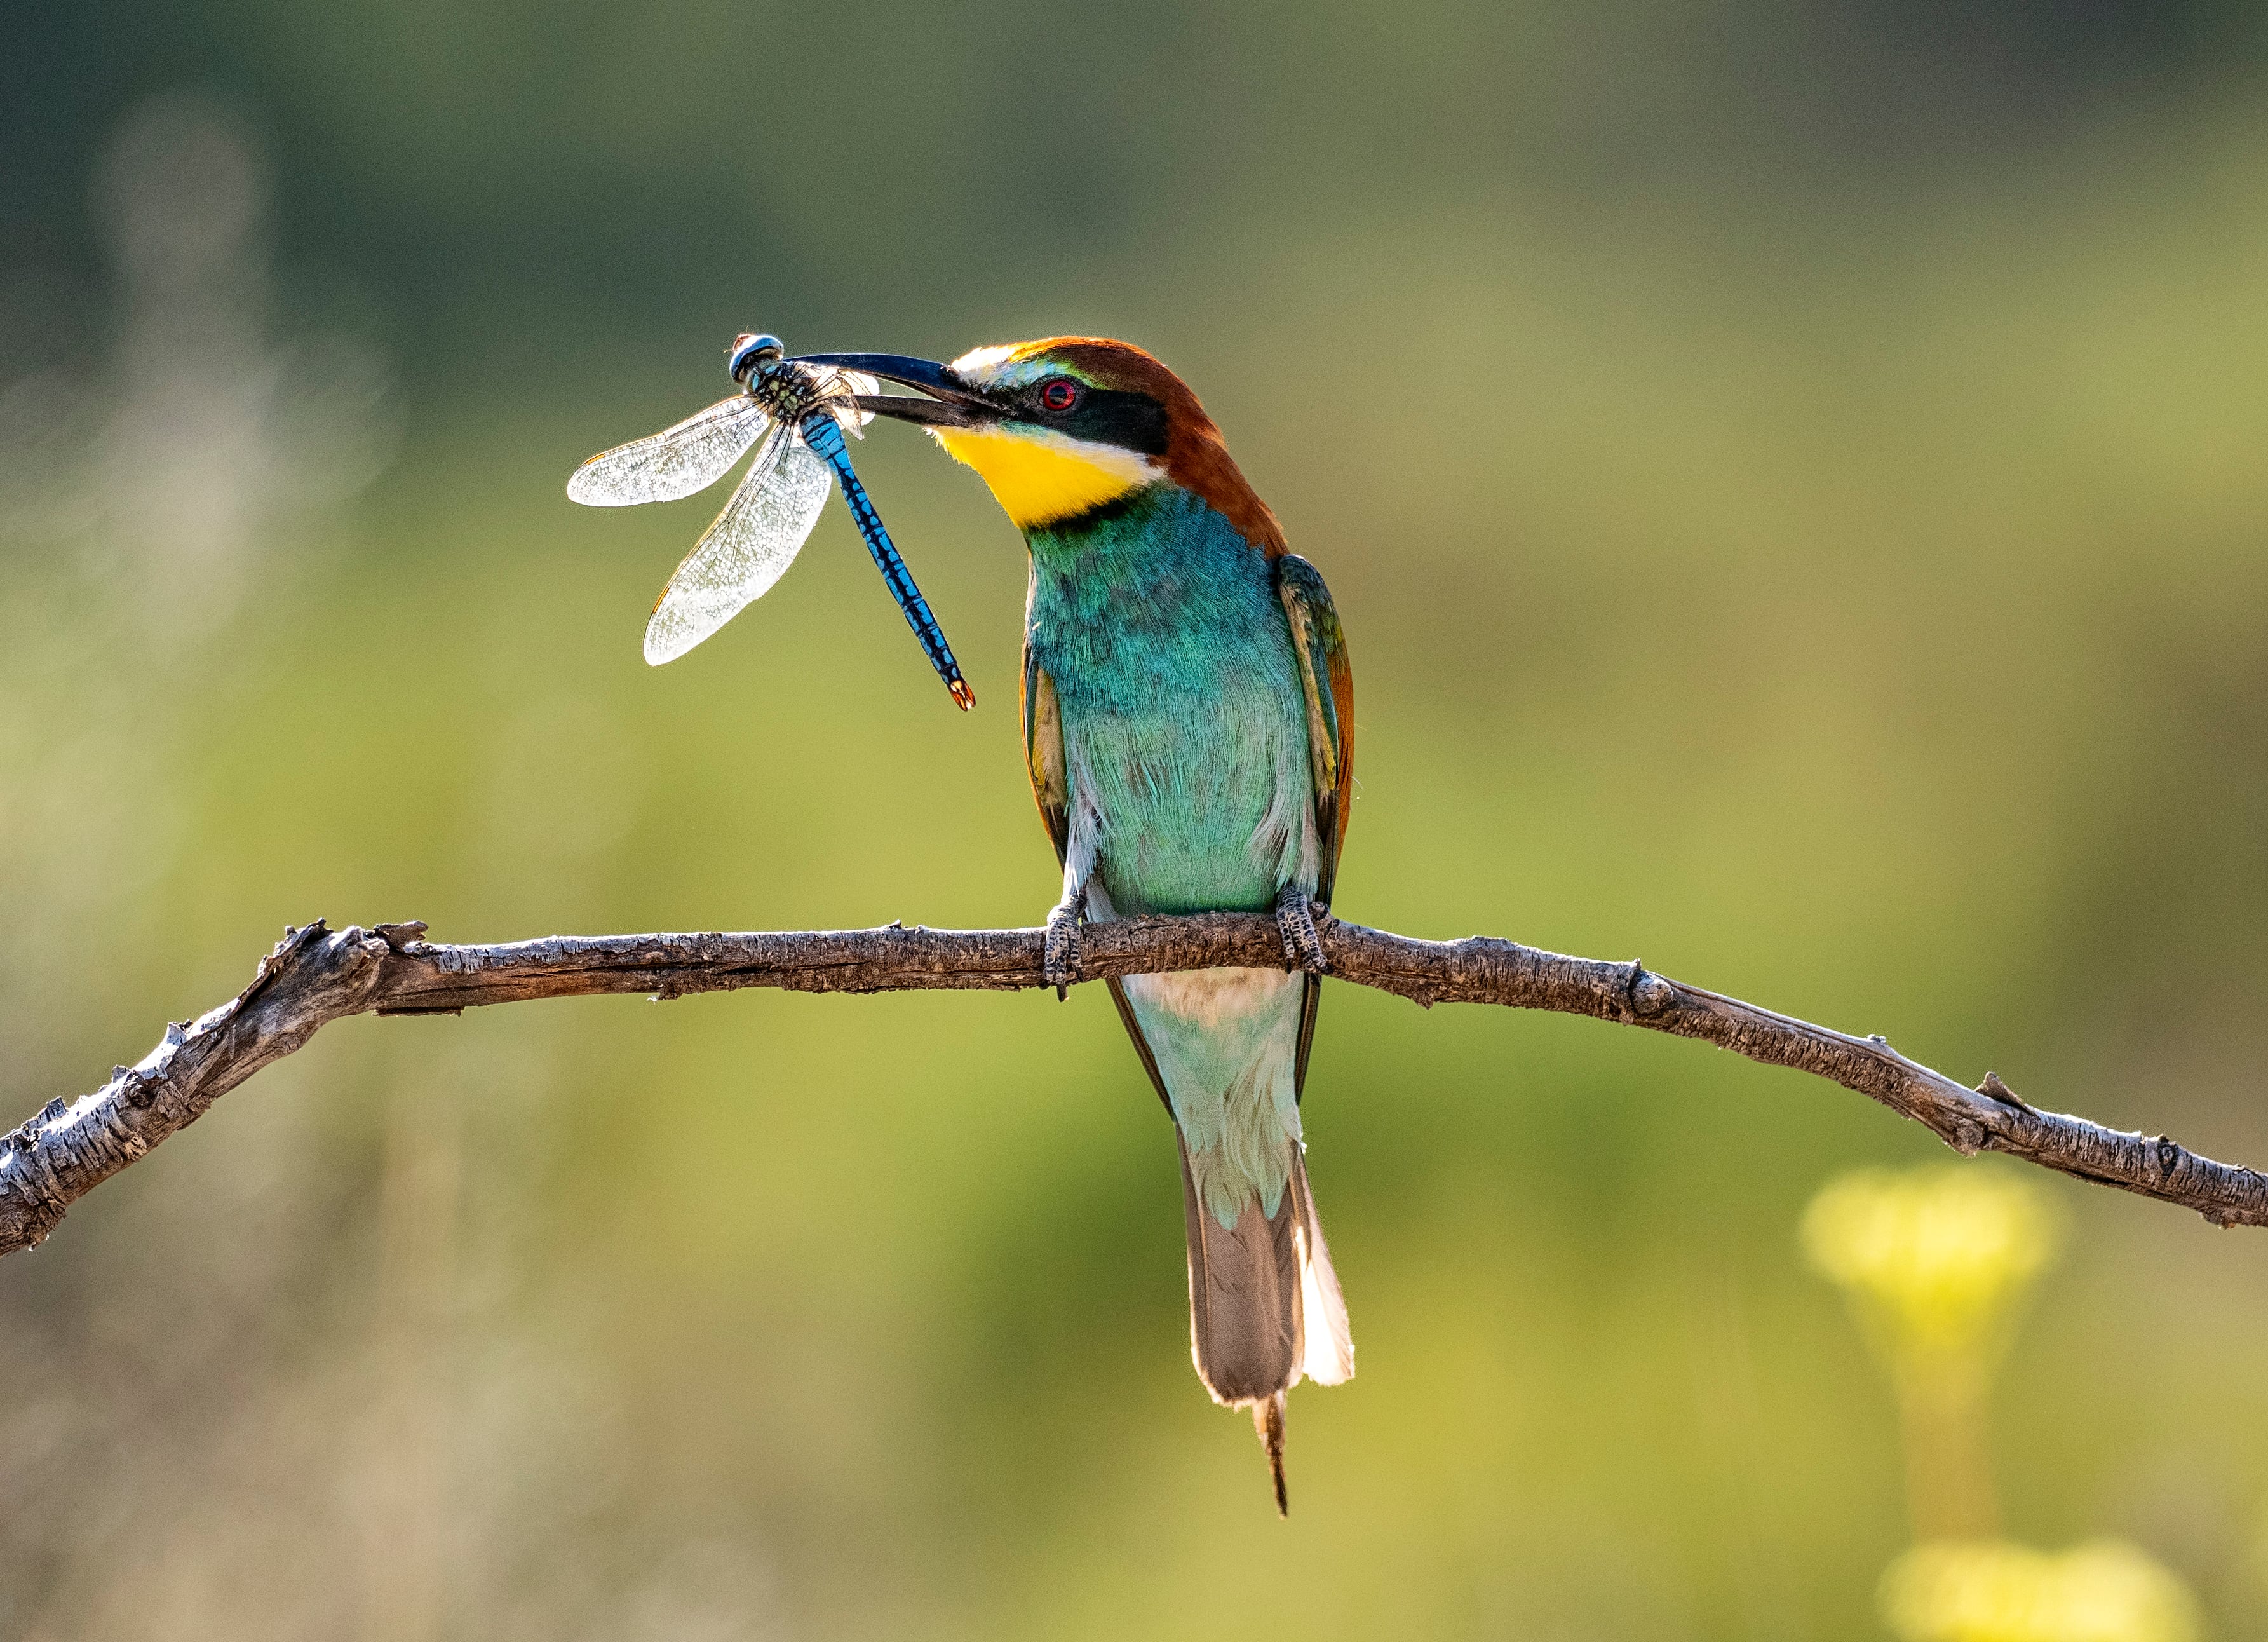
x=1039, y=475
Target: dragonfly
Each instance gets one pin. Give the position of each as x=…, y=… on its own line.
x=795, y=415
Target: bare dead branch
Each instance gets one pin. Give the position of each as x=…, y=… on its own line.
x=317, y=975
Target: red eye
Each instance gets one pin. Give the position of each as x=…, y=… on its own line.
x=1060, y=394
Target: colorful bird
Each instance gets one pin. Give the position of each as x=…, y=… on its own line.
x=1187, y=710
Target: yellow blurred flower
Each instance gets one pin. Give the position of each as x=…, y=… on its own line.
x=1934, y=1256
x=1991, y=1591
x=1934, y=1260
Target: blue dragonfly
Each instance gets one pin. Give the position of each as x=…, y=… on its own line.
x=795, y=415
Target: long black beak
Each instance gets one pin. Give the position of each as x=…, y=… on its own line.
x=950, y=404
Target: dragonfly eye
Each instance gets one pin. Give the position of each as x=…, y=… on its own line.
x=1059, y=394
x=751, y=350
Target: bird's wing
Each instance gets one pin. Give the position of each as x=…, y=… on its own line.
x=1043, y=758
x=1327, y=680
x=1043, y=752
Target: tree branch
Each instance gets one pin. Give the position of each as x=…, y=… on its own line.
x=317, y=975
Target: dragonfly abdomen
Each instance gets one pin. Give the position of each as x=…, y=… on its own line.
x=821, y=432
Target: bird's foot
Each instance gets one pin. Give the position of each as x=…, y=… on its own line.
x=1295, y=921
x=1059, y=952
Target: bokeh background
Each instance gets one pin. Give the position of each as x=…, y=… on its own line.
x=1792, y=474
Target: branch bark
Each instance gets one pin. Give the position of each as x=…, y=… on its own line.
x=317, y=975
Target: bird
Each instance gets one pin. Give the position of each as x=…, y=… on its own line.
x=1188, y=709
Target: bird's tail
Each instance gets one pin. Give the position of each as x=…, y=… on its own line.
x=1264, y=1305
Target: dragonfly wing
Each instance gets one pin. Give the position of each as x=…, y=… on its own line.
x=859, y=382
x=675, y=462
x=748, y=549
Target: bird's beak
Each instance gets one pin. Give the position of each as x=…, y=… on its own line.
x=950, y=404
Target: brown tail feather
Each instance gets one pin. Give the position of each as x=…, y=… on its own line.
x=1264, y=1306
x=1244, y=1296
x=1268, y=1419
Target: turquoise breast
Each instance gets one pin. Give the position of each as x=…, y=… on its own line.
x=1184, y=725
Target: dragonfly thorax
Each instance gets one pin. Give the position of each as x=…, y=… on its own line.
x=791, y=392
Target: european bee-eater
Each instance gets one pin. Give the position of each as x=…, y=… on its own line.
x=1188, y=711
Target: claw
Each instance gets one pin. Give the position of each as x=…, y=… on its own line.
x=1059, y=953
x=1295, y=921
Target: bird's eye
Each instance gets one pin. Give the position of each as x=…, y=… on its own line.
x=1060, y=394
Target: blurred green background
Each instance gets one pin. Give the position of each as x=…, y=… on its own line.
x=1793, y=478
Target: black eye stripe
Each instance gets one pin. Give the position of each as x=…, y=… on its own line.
x=1109, y=416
